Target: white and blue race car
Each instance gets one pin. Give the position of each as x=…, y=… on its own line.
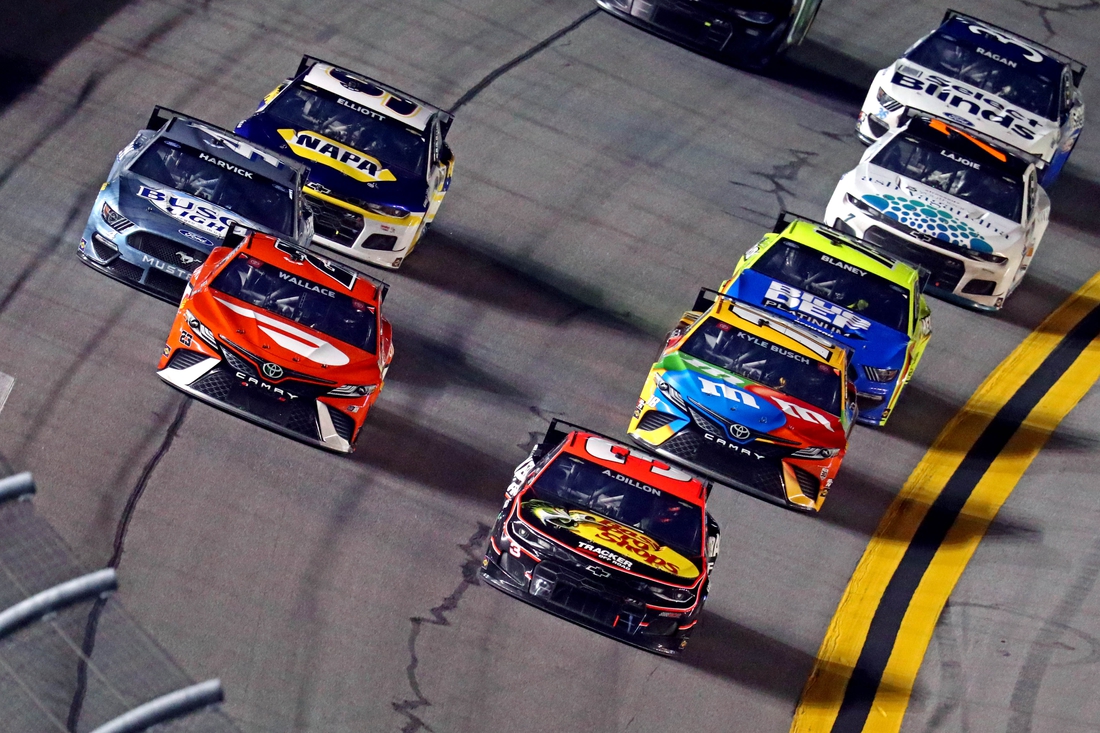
x=978, y=75
x=173, y=194
x=946, y=198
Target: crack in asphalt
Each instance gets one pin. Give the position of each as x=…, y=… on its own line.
x=779, y=176
x=1060, y=8
x=437, y=617
x=504, y=68
x=87, y=646
x=534, y=436
x=143, y=481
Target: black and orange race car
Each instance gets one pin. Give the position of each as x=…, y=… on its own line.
x=606, y=536
x=280, y=336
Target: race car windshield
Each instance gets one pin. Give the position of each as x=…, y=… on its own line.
x=306, y=108
x=660, y=516
x=251, y=196
x=312, y=305
x=934, y=165
x=763, y=362
x=867, y=294
x=948, y=55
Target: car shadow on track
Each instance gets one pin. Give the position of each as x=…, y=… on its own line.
x=826, y=72
x=1034, y=300
x=400, y=445
x=451, y=262
x=425, y=362
x=1073, y=202
x=750, y=658
x=859, y=502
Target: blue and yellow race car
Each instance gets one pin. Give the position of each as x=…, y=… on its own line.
x=379, y=165
x=850, y=291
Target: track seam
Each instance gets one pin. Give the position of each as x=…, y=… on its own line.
x=438, y=617
x=503, y=69
x=92, y=626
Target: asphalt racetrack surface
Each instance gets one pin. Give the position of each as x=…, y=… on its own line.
x=600, y=181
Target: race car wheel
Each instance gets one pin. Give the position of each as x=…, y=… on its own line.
x=763, y=53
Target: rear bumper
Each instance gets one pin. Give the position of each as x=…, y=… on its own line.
x=763, y=478
x=689, y=24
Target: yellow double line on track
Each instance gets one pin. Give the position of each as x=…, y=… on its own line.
x=868, y=662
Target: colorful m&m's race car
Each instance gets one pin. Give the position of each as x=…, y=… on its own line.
x=750, y=399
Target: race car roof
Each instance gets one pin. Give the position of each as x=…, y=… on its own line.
x=337, y=276
x=630, y=462
x=370, y=93
x=228, y=147
x=773, y=328
x=851, y=249
x=970, y=145
x=1008, y=44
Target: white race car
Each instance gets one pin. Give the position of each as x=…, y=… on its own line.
x=984, y=77
x=947, y=199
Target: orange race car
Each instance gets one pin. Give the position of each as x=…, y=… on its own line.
x=279, y=336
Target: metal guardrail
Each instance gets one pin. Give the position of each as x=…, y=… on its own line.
x=16, y=486
x=167, y=707
x=57, y=597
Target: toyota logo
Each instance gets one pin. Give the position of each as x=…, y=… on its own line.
x=740, y=432
x=274, y=371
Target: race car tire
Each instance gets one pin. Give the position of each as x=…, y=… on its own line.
x=763, y=54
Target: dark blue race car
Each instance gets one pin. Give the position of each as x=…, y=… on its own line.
x=378, y=164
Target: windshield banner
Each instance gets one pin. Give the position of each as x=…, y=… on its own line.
x=352, y=163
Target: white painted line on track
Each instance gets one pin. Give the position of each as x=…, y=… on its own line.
x=6, y=383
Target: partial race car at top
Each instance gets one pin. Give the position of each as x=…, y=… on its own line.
x=379, y=165
x=855, y=294
x=747, y=32
x=751, y=400
x=606, y=536
x=944, y=197
x=174, y=192
x=277, y=335
x=978, y=75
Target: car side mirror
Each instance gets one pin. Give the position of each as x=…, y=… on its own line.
x=923, y=311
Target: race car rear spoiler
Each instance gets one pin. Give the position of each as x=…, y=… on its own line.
x=238, y=233
x=162, y=116
x=445, y=118
x=992, y=142
x=786, y=218
x=811, y=339
x=1075, y=67
x=560, y=429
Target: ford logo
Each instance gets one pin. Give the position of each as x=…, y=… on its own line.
x=272, y=371
x=196, y=237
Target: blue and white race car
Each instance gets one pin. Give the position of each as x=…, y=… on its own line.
x=855, y=294
x=978, y=75
x=379, y=166
x=173, y=194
